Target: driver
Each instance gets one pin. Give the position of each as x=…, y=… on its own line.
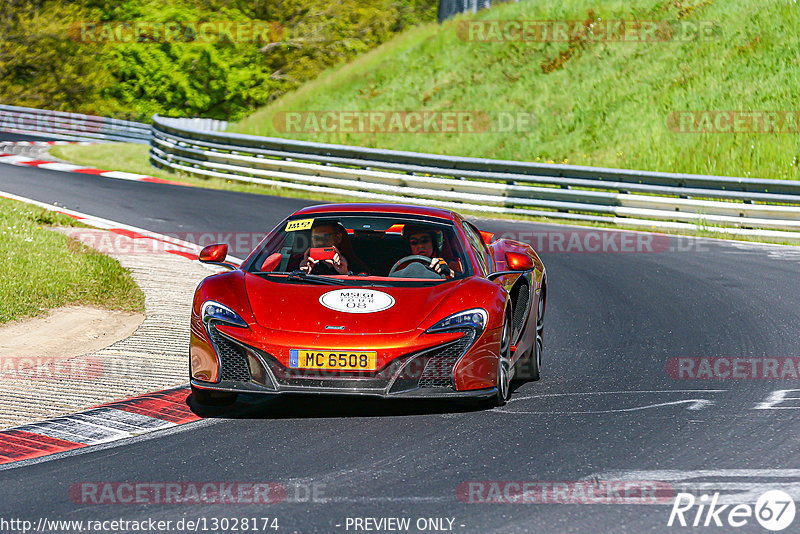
x=330, y=234
x=422, y=241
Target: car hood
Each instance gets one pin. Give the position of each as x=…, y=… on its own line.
x=298, y=307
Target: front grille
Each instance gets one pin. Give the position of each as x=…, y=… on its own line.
x=438, y=371
x=232, y=358
x=324, y=378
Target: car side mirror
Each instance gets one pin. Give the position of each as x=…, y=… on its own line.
x=214, y=253
x=488, y=237
x=519, y=262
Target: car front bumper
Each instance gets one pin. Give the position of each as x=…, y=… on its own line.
x=428, y=373
x=418, y=393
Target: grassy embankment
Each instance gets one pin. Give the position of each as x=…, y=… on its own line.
x=41, y=269
x=596, y=102
x=607, y=104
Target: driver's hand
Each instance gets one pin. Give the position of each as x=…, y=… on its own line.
x=339, y=262
x=307, y=264
x=441, y=267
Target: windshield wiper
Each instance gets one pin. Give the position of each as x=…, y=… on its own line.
x=305, y=277
x=295, y=275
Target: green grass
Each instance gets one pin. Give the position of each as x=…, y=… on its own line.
x=607, y=105
x=42, y=269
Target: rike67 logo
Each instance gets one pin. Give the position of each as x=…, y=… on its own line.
x=774, y=510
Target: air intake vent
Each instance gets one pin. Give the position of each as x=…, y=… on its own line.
x=438, y=371
x=232, y=357
x=520, y=300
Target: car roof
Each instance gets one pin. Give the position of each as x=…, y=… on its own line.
x=397, y=209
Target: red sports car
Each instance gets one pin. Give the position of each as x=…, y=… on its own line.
x=370, y=299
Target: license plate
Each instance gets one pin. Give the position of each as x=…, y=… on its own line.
x=334, y=360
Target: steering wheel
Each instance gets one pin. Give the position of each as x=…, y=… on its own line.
x=412, y=258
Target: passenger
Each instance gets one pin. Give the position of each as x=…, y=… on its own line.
x=424, y=241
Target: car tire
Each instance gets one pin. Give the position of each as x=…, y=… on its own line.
x=206, y=397
x=535, y=360
x=504, y=369
x=536, y=357
x=529, y=366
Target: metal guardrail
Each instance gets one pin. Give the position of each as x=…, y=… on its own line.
x=71, y=126
x=211, y=125
x=628, y=198
x=449, y=8
x=76, y=126
x=744, y=206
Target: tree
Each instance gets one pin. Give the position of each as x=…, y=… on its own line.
x=40, y=66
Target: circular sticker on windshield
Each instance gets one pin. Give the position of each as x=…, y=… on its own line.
x=357, y=300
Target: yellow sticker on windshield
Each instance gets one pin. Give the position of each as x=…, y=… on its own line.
x=299, y=224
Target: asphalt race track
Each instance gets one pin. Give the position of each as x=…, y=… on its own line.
x=606, y=408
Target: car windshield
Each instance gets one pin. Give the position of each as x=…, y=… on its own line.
x=361, y=249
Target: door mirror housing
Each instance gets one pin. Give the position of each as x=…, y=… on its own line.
x=488, y=237
x=214, y=253
x=519, y=262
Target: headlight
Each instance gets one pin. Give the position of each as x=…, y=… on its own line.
x=214, y=311
x=475, y=318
